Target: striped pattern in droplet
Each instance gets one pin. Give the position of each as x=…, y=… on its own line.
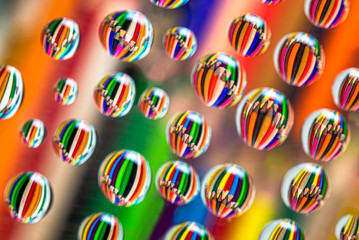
x=170, y=4
x=99, y=226
x=188, y=231
x=271, y=2
x=180, y=43
x=124, y=177
x=218, y=80
x=126, y=35
x=326, y=13
x=249, y=35
x=65, y=91
x=60, y=38
x=153, y=103
x=299, y=59
x=11, y=91
x=347, y=228
x=282, y=229
x=114, y=94
x=264, y=118
x=32, y=133
x=325, y=135
x=228, y=191
x=28, y=197
x=188, y=134
x=177, y=182
x=74, y=141
x=308, y=189
x=346, y=90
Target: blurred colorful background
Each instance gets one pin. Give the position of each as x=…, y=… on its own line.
x=75, y=189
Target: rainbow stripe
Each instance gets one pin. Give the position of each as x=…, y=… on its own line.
x=188, y=231
x=124, y=177
x=154, y=103
x=305, y=188
x=282, y=229
x=74, y=141
x=325, y=135
x=177, y=182
x=188, y=134
x=347, y=228
x=249, y=35
x=271, y=2
x=65, y=91
x=28, y=196
x=299, y=59
x=32, y=133
x=170, y=4
x=264, y=118
x=180, y=43
x=99, y=226
x=227, y=190
x=114, y=94
x=126, y=35
x=60, y=38
x=346, y=90
x=11, y=91
x=219, y=80
x=326, y=13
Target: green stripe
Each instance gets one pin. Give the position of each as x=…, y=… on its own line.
x=121, y=173
x=324, y=189
x=27, y=127
x=285, y=110
x=100, y=230
x=126, y=177
x=61, y=85
x=17, y=189
x=195, y=130
x=244, y=191
x=69, y=130
x=184, y=180
x=111, y=84
x=218, y=181
x=122, y=18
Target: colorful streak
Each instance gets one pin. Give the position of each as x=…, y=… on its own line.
x=218, y=80
x=180, y=43
x=65, y=91
x=299, y=59
x=227, y=191
x=325, y=135
x=114, y=94
x=347, y=228
x=305, y=188
x=170, y=4
x=326, y=13
x=271, y=2
x=345, y=90
x=99, y=226
x=74, y=141
x=264, y=118
x=126, y=35
x=124, y=177
x=282, y=229
x=28, y=197
x=60, y=38
x=33, y=133
x=177, y=182
x=249, y=35
x=11, y=91
x=188, y=231
x=154, y=103
x=188, y=134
